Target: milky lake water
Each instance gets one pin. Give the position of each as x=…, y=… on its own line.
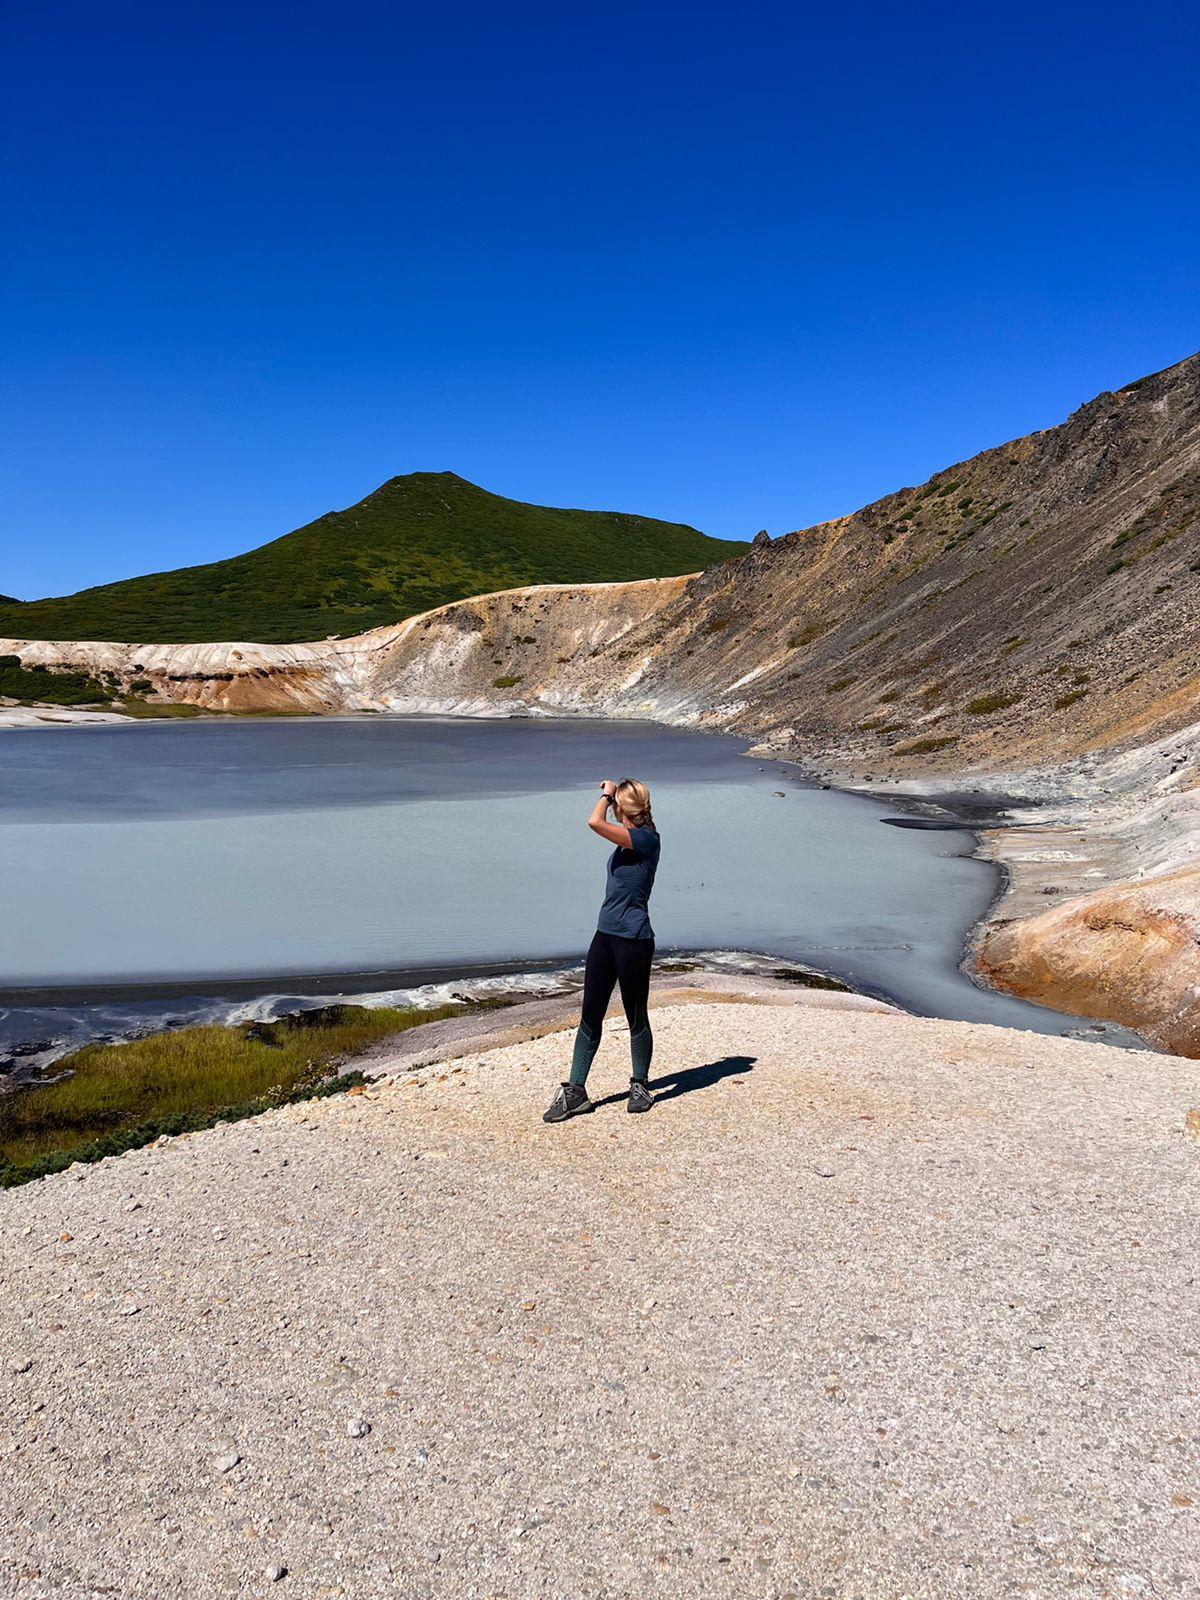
x=215, y=868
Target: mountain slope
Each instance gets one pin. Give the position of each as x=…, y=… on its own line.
x=1036, y=602
x=417, y=542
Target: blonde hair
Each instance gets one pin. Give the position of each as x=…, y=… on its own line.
x=634, y=800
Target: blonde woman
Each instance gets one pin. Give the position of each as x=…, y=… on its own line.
x=622, y=949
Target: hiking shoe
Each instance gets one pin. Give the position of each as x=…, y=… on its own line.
x=570, y=1100
x=640, y=1098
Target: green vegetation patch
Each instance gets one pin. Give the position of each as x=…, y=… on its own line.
x=418, y=542
x=133, y=706
x=112, y=1098
x=806, y=979
x=985, y=704
x=39, y=685
x=507, y=682
x=923, y=747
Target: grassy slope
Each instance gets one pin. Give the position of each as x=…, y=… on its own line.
x=417, y=542
x=109, y=1098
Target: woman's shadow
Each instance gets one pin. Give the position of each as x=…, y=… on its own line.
x=689, y=1079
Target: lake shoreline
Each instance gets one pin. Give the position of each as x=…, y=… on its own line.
x=965, y=811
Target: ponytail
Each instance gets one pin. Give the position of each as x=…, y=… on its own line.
x=634, y=800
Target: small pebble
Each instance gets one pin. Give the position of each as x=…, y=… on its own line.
x=357, y=1428
x=275, y=1573
x=227, y=1462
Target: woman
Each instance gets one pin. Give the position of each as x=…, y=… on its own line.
x=622, y=948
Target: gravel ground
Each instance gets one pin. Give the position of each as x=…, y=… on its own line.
x=867, y=1306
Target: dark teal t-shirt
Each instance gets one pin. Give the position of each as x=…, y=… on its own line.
x=630, y=880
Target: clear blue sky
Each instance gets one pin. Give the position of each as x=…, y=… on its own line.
x=736, y=265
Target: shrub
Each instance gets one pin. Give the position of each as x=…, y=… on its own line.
x=1066, y=700
x=837, y=684
x=507, y=682
x=19, y=682
x=922, y=747
x=806, y=636
x=141, y=686
x=984, y=704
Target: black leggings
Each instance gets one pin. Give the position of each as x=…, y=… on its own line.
x=612, y=960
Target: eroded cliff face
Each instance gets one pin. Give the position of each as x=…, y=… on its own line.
x=500, y=654
x=1102, y=909
x=1026, y=621
x=1128, y=953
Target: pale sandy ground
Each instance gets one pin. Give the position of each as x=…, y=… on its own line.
x=866, y=1306
x=51, y=716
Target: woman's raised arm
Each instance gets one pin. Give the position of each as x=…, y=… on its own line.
x=598, y=821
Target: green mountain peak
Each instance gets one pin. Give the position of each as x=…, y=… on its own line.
x=418, y=541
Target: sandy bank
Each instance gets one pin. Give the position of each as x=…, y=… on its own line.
x=50, y=716
x=868, y=1305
